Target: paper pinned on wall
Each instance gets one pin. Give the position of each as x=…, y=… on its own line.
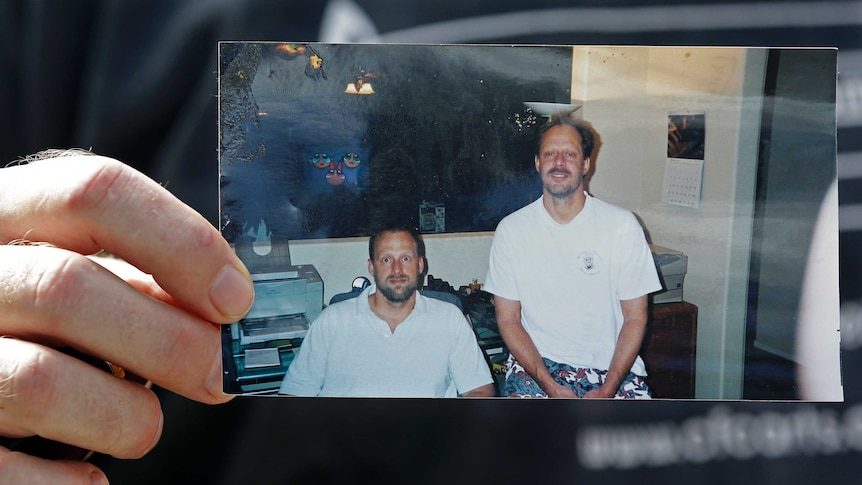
x=683, y=181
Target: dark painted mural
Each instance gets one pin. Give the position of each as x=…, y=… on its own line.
x=446, y=128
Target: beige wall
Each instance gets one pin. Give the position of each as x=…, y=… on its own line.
x=456, y=258
x=629, y=92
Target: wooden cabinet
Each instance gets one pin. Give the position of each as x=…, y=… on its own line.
x=669, y=350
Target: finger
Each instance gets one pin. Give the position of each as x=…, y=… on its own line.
x=61, y=297
x=49, y=394
x=90, y=203
x=20, y=468
x=136, y=278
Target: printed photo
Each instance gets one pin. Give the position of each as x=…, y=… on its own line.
x=427, y=221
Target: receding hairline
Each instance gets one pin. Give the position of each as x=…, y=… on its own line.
x=583, y=128
x=418, y=243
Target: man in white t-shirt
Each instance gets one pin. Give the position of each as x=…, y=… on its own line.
x=570, y=276
x=390, y=341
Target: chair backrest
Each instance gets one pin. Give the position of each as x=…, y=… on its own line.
x=343, y=296
x=437, y=295
x=444, y=296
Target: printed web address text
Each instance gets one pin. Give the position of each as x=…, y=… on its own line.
x=723, y=434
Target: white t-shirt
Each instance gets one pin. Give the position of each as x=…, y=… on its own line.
x=570, y=278
x=349, y=351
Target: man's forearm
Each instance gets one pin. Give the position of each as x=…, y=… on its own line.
x=628, y=343
x=522, y=347
x=482, y=391
x=520, y=344
x=626, y=352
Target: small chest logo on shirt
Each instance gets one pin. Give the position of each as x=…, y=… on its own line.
x=590, y=262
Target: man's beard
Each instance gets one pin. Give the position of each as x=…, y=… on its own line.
x=562, y=192
x=395, y=295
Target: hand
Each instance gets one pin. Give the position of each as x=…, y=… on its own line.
x=603, y=392
x=558, y=390
x=158, y=327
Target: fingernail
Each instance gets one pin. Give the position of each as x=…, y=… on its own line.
x=98, y=478
x=232, y=293
x=158, y=434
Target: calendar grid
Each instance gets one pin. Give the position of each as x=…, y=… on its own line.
x=683, y=182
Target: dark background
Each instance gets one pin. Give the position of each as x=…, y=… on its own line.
x=137, y=80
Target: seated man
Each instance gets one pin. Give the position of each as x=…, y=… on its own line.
x=570, y=276
x=390, y=341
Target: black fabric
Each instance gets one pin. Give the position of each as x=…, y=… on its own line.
x=136, y=80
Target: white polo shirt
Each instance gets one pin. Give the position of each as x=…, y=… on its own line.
x=349, y=351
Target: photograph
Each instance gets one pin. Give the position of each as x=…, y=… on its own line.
x=432, y=220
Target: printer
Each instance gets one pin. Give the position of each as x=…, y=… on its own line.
x=284, y=304
x=262, y=344
x=672, y=266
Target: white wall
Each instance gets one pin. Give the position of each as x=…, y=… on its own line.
x=456, y=258
x=629, y=93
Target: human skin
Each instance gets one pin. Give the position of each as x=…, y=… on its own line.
x=562, y=166
x=154, y=310
x=396, y=268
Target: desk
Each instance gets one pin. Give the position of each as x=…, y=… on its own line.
x=669, y=350
x=261, y=380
